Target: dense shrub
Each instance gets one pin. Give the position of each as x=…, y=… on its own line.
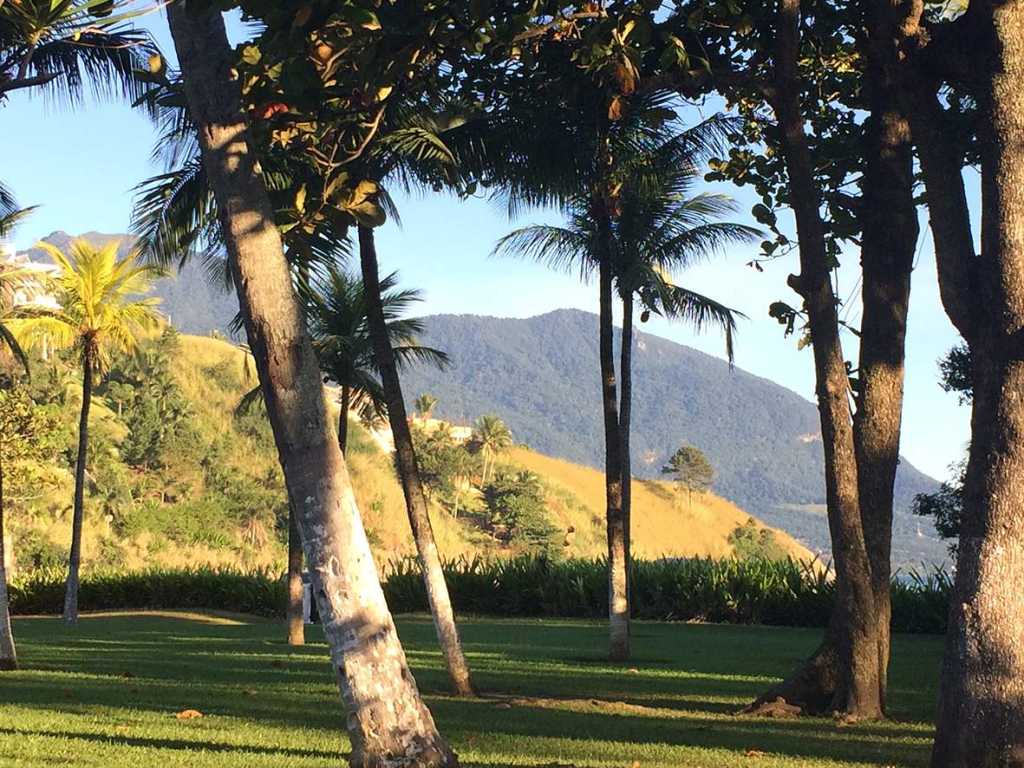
x=257, y=592
x=750, y=541
x=782, y=593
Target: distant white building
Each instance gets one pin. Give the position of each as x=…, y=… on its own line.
x=460, y=433
x=34, y=289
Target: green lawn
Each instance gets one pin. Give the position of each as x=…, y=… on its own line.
x=106, y=694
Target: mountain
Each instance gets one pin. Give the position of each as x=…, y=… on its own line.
x=541, y=375
x=188, y=297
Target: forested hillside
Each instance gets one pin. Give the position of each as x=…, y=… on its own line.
x=763, y=440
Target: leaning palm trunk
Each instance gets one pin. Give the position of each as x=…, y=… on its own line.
x=295, y=617
x=75, y=560
x=388, y=723
x=8, y=653
x=412, y=487
x=625, y=426
x=346, y=400
x=618, y=594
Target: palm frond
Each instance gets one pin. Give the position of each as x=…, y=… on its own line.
x=560, y=248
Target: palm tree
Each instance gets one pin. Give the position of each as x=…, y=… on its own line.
x=103, y=308
x=336, y=311
x=176, y=213
x=425, y=405
x=640, y=224
x=387, y=718
x=492, y=437
x=62, y=46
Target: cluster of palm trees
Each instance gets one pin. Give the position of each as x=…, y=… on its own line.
x=649, y=225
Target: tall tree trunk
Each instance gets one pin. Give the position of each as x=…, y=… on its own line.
x=408, y=471
x=856, y=685
x=295, y=617
x=75, y=559
x=388, y=723
x=625, y=428
x=980, y=720
x=8, y=653
x=889, y=239
x=618, y=593
x=346, y=401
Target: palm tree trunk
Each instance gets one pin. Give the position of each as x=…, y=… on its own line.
x=618, y=594
x=408, y=471
x=75, y=560
x=8, y=652
x=387, y=721
x=295, y=617
x=346, y=399
x=625, y=421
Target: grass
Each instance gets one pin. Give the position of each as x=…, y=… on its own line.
x=664, y=524
x=106, y=694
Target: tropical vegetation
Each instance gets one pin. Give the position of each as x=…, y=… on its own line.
x=283, y=153
x=103, y=309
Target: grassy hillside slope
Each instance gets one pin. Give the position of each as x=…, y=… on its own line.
x=664, y=524
x=216, y=497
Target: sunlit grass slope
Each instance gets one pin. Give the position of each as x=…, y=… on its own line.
x=214, y=374
x=107, y=694
x=664, y=522
x=378, y=492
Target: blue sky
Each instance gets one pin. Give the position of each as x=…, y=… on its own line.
x=80, y=167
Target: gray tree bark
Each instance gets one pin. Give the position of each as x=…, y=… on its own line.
x=78, y=513
x=8, y=651
x=388, y=723
x=408, y=471
x=980, y=720
x=294, y=614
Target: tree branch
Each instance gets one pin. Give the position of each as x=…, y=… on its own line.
x=543, y=29
x=26, y=82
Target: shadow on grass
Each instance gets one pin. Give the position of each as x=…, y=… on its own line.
x=685, y=683
x=182, y=744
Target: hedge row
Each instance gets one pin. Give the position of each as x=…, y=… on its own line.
x=785, y=593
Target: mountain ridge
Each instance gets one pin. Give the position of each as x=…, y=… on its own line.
x=541, y=375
